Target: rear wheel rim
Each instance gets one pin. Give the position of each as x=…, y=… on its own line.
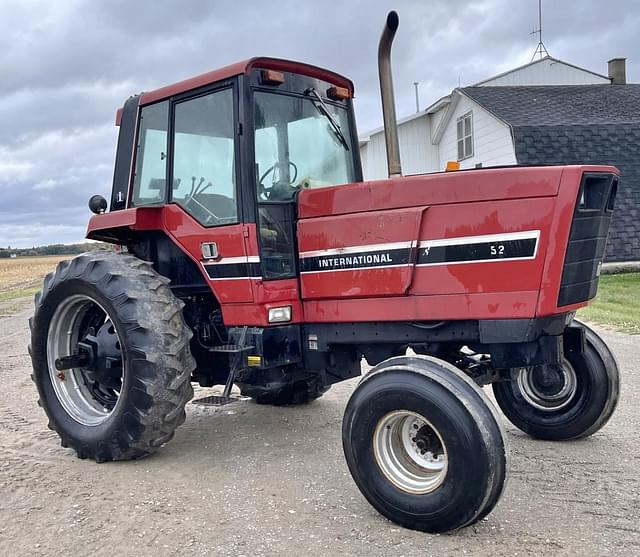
x=84, y=399
x=547, y=394
x=410, y=452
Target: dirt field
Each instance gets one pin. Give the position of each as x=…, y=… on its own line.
x=25, y=273
x=252, y=480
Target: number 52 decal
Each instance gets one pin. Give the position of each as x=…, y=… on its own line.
x=497, y=249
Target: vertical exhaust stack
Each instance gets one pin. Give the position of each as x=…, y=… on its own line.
x=386, y=92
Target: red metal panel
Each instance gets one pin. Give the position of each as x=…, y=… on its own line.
x=476, y=220
x=142, y=218
x=506, y=305
x=356, y=283
x=257, y=314
x=431, y=189
x=363, y=232
x=190, y=235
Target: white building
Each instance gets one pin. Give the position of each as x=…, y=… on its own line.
x=456, y=128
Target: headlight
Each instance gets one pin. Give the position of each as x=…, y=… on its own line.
x=280, y=315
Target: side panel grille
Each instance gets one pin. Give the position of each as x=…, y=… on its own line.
x=588, y=238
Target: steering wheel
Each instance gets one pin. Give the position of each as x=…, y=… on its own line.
x=265, y=193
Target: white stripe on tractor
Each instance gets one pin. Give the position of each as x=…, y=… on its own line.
x=234, y=278
x=234, y=260
x=356, y=249
x=484, y=239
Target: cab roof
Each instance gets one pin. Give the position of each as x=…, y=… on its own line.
x=245, y=67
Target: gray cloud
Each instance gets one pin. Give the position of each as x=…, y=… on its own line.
x=67, y=66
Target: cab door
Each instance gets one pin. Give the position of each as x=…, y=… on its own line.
x=198, y=154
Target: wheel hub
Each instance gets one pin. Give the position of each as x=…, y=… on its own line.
x=410, y=452
x=86, y=368
x=105, y=358
x=548, y=388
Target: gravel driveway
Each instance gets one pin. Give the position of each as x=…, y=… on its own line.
x=247, y=480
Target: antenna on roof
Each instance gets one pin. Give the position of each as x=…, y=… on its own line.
x=541, y=50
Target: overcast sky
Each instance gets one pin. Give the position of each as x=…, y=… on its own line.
x=66, y=65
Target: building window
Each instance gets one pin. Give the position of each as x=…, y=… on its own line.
x=465, y=136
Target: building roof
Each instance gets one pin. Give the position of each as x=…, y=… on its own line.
x=542, y=60
x=549, y=105
x=485, y=83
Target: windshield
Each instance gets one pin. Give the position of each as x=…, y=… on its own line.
x=300, y=143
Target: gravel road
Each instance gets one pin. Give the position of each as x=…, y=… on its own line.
x=247, y=480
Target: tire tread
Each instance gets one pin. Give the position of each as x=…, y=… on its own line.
x=161, y=363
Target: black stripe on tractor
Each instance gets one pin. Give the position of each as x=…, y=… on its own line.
x=479, y=251
x=588, y=238
x=233, y=270
x=380, y=258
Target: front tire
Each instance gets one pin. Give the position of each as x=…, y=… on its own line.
x=127, y=396
x=568, y=402
x=424, y=445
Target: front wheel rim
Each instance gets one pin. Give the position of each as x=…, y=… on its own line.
x=84, y=400
x=410, y=452
x=548, y=397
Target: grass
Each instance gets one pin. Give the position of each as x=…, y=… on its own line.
x=617, y=304
x=26, y=272
x=13, y=301
x=22, y=277
x=18, y=293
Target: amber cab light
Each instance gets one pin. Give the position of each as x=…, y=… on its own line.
x=452, y=165
x=338, y=93
x=271, y=77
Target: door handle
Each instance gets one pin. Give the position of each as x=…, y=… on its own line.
x=210, y=250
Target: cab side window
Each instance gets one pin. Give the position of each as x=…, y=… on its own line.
x=204, y=181
x=151, y=156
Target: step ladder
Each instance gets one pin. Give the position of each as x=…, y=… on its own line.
x=236, y=353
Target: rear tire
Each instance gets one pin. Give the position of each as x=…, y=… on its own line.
x=146, y=397
x=424, y=445
x=585, y=399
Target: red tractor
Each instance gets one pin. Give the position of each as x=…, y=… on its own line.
x=253, y=253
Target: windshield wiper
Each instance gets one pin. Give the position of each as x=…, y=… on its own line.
x=324, y=110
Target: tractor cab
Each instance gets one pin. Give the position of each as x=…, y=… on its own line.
x=223, y=156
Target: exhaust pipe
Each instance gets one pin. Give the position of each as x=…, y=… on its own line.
x=386, y=92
